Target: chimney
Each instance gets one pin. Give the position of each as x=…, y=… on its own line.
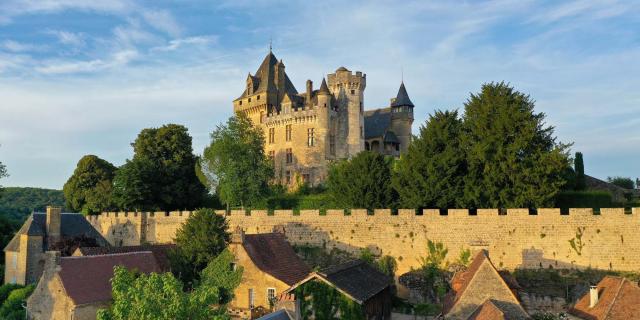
x=53, y=223
x=593, y=294
x=309, y=89
x=237, y=236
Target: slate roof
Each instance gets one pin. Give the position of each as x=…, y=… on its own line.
x=619, y=299
x=356, y=278
x=160, y=252
x=278, y=315
x=86, y=279
x=402, y=98
x=71, y=225
x=376, y=122
x=264, y=79
x=272, y=254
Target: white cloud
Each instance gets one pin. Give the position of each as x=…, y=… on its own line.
x=162, y=20
x=75, y=39
x=118, y=59
x=10, y=9
x=178, y=43
x=14, y=46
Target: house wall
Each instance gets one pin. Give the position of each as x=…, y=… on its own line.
x=11, y=267
x=580, y=239
x=49, y=299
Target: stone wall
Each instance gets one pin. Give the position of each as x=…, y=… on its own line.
x=516, y=238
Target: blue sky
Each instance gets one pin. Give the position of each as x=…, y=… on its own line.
x=84, y=77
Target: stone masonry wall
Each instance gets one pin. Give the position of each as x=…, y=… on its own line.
x=609, y=240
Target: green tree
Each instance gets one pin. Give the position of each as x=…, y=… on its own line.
x=199, y=240
x=234, y=165
x=161, y=296
x=580, y=180
x=362, y=182
x=11, y=308
x=3, y=174
x=161, y=174
x=622, y=182
x=513, y=158
x=431, y=173
x=88, y=190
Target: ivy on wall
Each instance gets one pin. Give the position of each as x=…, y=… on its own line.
x=321, y=301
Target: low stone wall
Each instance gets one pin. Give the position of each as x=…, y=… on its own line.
x=515, y=238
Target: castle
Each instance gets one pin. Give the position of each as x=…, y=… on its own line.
x=304, y=132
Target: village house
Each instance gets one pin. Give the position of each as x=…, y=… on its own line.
x=359, y=282
x=40, y=232
x=614, y=298
x=270, y=266
x=74, y=288
x=481, y=292
x=159, y=251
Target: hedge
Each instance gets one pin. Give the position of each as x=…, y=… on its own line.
x=583, y=199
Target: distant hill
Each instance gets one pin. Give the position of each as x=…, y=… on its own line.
x=17, y=203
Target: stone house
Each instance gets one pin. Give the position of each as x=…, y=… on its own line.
x=25, y=252
x=304, y=132
x=270, y=266
x=359, y=282
x=614, y=298
x=481, y=292
x=74, y=288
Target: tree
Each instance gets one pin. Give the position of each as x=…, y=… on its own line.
x=161, y=296
x=88, y=190
x=431, y=173
x=578, y=163
x=234, y=165
x=362, y=182
x=161, y=174
x=622, y=182
x=513, y=158
x=11, y=308
x=200, y=239
x=3, y=174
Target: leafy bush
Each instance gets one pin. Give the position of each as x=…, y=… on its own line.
x=11, y=308
x=583, y=199
x=6, y=289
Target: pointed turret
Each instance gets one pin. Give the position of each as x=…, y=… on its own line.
x=402, y=99
x=324, y=89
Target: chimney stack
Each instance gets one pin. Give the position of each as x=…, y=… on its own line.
x=593, y=294
x=53, y=223
x=309, y=89
x=237, y=236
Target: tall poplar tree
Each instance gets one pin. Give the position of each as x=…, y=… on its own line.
x=578, y=163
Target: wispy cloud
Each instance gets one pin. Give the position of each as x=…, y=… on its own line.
x=76, y=39
x=118, y=59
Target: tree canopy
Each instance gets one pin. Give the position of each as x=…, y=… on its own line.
x=580, y=179
x=234, y=165
x=431, y=172
x=88, y=190
x=200, y=239
x=513, y=159
x=161, y=175
x=622, y=182
x=363, y=181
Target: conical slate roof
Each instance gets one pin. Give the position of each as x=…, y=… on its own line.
x=264, y=80
x=402, y=99
x=323, y=87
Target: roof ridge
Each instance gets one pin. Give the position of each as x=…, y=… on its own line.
x=107, y=255
x=615, y=297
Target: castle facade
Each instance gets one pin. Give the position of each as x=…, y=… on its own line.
x=305, y=132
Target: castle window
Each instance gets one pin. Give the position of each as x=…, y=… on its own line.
x=353, y=92
x=251, y=298
x=311, y=140
x=289, y=155
x=240, y=103
x=272, y=135
x=258, y=97
x=288, y=177
x=249, y=99
x=288, y=132
x=332, y=145
x=271, y=296
x=361, y=107
x=361, y=132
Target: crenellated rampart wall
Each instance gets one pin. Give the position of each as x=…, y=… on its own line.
x=606, y=239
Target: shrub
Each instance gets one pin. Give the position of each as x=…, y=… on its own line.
x=583, y=199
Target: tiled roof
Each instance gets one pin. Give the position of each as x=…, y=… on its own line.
x=264, y=79
x=278, y=315
x=376, y=122
x=273, y=254
x=487, y=311
x=71, y=225
x=356, y=278
x=160, y=252
x=86, y=279
x=618, y=299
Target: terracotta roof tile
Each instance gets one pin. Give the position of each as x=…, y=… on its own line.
x=618, y=299
x=487, y=311
x=86, y=279
x=273, y=254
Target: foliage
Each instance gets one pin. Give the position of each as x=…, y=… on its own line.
x=88, y=190
x=362, y=182
x=17, y=203
x=6, y=289
x=436, y=255
x=578, y=164
x=513, y=159
x=11, y=308
x=219, y=274
x=200, y=239
x=67, y=246
x=427, y=309
x=387, y=265
x=3, y=174
x=161, y=174
x=321, y=301
x=622, y=182
x=583, y=199
x=430, y=173
x=161, y=296
x=436, y=284
x=319, y=257
x=549, y=316
x=465, y=257
x=234, y=165
x=367, y=256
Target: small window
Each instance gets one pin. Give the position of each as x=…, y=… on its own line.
x=311, y=140
x=251, y=297
x=258, y=97
x=306, y=178
x=272, y=135
x=233, y=266
x=353, y=92
x=240, y=103
x=249, y=99
x=287, y=177
x=271, y=296
x=289, y=156
x=288, y=132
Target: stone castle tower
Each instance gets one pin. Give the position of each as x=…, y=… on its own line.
x=306, y=131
